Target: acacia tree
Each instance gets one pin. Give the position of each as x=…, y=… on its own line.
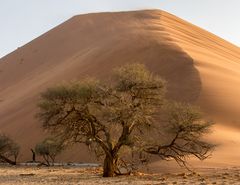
x=111, y=118
x=49, y=149
x=9, y=150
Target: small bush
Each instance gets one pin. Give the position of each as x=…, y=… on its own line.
x=9, y=150
x=49, y=149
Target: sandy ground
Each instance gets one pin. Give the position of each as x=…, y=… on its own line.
x=76, y=175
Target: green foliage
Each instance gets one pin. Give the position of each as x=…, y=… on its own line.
x=8, y=149
x=49, y=149
x=188, y=119
x=183, y=133
x=135, y=77
x=112, y=118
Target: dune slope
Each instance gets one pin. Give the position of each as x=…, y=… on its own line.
x=200, y=68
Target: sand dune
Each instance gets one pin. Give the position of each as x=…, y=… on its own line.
x=200, y=68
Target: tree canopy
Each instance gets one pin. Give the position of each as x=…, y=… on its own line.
x=121, y=119
x=49, y=148
x=9, y=150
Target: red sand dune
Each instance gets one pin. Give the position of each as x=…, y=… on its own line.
x=200, y=68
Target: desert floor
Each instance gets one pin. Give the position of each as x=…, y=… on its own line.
x=77, y=175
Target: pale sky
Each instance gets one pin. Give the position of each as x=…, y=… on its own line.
x=23, y=20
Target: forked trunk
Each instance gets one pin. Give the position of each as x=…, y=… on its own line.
x=109, y=167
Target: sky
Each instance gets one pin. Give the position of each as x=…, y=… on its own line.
x=23, y=20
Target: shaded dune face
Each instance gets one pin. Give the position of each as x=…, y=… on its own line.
x=94, y=44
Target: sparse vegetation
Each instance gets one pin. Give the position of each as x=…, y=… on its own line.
x=9, y=150
x=49, y=149
x=123, y=121
x=185, y=127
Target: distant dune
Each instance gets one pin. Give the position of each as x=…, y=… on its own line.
x=200, y=68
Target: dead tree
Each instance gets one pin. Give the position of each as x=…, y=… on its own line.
x=33, y=155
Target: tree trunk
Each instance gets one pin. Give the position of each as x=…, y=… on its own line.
x=109, y=166
x=46, y=160
x=33, y=155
